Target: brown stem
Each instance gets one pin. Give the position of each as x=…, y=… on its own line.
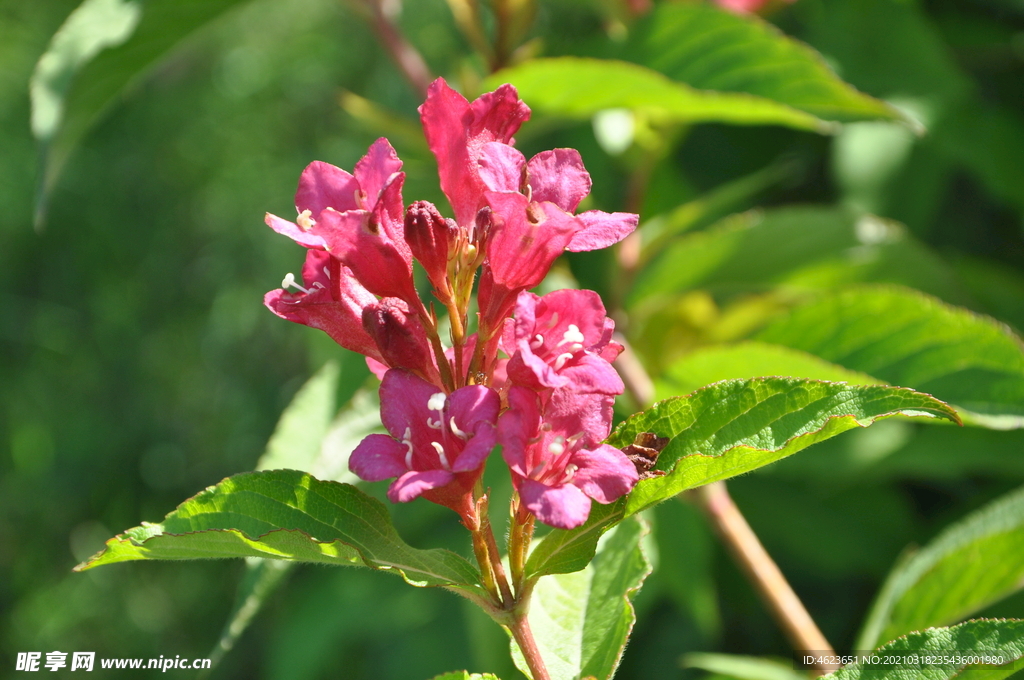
x=520, y=629
x=405, y=56
x=785, y=606
x=502, y=34
x=497, y=566
x=634, y=376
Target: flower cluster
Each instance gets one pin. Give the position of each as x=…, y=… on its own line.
x=536, y=375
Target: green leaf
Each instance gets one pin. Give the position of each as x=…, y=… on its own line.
x=733, y=427
x=742, y=667
x=812, y=247
x=574, y=87
x=76, y=81
x=465, y=675
x=296, y=442
x=973, y=563
x=747, y=360
x=565, y=551
x=712, y=49
x=581, y=621
x=289, y=515
x=997, y=637
x=907, y=338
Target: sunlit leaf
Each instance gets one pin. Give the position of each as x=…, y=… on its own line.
x=736, y=426
x=1002, y=638
x=289, y=515
x=742, y=667
x=971, y=564
x=906, y=338
x=709, y=48
x=581, y=621
x=575, y=87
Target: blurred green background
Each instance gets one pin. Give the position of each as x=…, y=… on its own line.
x=138, y=364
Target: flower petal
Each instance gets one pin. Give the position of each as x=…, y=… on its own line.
x=526, y=239
x=558, y=176
x=591, y=373
x=517, y=425
x=604, y=473
x=563, y=507
x=472, y=405
x=501, y=167
x=442, y=115
x=412, y=484
x=378, y=457
x=295, y=232
x=374, y=171
x=477, y=450
x=601, y=229
x=403, y=402
x=323, y=186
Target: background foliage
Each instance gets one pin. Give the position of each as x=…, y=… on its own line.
x=140, y=367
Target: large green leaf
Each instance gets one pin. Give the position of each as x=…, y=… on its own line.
x=906, y=338
x=565, y=551
x=736, y=426
x=971, y=564
x=77, y=80
x=581, y=621
x=712, y=49
x=575, y=87
x=289, y=515
x=742, y=667
x=299, y=434
x=747, y=360
x=1002, y=638
x=812, y=247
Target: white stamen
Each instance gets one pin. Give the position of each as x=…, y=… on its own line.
x=556, y=448
x=570, y=472
x=289, y=282
x=554, y=320
x=538, y=341
x=536, y=471
x=562, y=358
x=305, y=220
x=434, y=424
x=574, y=438
x=327, y=272
x=437, y=401
x=440, y=454
x=317, y=284
x=407, y=440
x=456, y=431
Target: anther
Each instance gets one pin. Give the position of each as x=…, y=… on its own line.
x=562, y=358
x=536, y=472
x=537, y=342
x=570, y=472
x=289, y=282
x=556, y=448
x=456, y=431
x=305, y=220
x=407, y=440
x=440, y=454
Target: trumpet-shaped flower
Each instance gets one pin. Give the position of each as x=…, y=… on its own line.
x=556, y=470
x=437, y=443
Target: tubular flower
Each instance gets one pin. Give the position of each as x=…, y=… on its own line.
x=562, y=340
x=437, y=443
x=358, y=218
x=556, y=471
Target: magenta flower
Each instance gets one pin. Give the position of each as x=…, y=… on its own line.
x=329, y=299
x=358, y=218
x=562, y=340
x=456, y=131
x=558, y=471
x=438, y=443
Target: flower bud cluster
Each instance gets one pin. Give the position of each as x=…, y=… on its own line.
x=535, y=376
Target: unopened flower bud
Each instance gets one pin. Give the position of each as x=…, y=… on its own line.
x=400, y=337
x=429, y=236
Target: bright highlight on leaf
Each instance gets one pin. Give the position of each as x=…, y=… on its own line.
x=737, y=426
x=289, y=515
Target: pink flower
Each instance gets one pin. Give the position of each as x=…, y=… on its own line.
x=329, y=299
x=358, y=218
x=456, y=130
x=556, y=470
x=743, y=6
x=562, y=340
x=437, y=445
x=401, y=338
